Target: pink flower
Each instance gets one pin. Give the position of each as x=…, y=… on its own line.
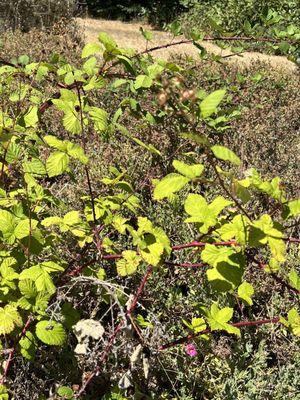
x=191, y=350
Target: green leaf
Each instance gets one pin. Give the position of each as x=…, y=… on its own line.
x=291, y=209
x=57, y=163
x=51, y=221
x=147, y=34
x=75, y=151
x=65, y=392
x=196, y=137
x=9, y=319
x=71, y=122
x=225, y=154
x=241, y=191
x=245, y=291
x=72, y=218
x=90, y=66
x=218, y=319
x=293, y=322
x=69, y=78
x=153, y=253
x=203, y=213
x=99, y=117
x=31, y=117
x=170, y=184
x=51, y=266
x=90, y=49
x=148, y=147
x=228, y=267
x=35, y=166
x=294, y=279
x=152, y=241
x=143, y=81
x=23, y=59
x=154, y=70
x=107, y=41
x=238, y=228
x=129, y=263
x=40, y=276
x=198, y=325
x=128, y=64
x=265, y=231
x=51, y=333
x=3, y=393
x=58, y=144
x=190, y=171
x=273, y=266
x=272, y=188
x=209, y=105
x=25, y=228
x=7, y=226
x=28, y=288
x=28, y=346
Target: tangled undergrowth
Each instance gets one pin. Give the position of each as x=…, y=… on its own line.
x=142, y=255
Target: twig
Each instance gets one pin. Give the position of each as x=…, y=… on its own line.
x=202, y=244
x=13, y=350
x=241, y=324
x=279, y=279
x=186, y=265
x=229, y=194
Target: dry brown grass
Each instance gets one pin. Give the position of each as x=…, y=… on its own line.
x=128, y=35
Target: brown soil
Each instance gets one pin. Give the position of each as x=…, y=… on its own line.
x=128, y=35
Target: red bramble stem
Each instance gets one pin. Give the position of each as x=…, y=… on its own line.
x=13, y=350
x=196, y=244
x=279, y=280
x=186, y=265
x=241, y=324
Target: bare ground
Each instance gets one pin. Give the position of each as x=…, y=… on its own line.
x=128, y=35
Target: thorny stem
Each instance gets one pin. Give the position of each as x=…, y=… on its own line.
x=185, y=264
x=30, y=227
x=291, y=240
x=241, y=324
x=84, y=148
x=195, y=244
x=229, y=194
x=279, y=279
x=13, y=350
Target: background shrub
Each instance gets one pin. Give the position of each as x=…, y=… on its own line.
x=231, y=15
x=26, y=14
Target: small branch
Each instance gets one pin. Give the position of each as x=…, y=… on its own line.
x=13, y=350
x=229, y=194
x=202, y=244
x=186, y=265
x=140, y=289
x=278, y=279
x=194, y=244
x=291, y=240
x=84, y=149
x=241, y=324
